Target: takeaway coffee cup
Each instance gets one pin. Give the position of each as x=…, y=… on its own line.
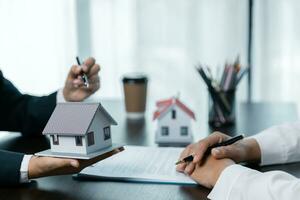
x=135, y=91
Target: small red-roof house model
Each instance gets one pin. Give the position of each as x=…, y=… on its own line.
x=173, y=122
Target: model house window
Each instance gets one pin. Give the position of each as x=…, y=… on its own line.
x=183, y=130
x=164, y=131
x=78, y=140
x=106, y=132
x=173, y=114
x=55, y=140
x=90, y=138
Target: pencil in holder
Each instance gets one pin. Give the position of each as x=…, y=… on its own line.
x=221, y=107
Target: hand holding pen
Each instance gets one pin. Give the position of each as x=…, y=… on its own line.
x=82, y=81
x=245, y=150
x=230, y=141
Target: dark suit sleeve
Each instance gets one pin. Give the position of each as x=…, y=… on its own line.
x=23, y=113
x=10, y=167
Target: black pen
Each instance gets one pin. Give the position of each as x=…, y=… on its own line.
x=225, y=143
x=83, y=75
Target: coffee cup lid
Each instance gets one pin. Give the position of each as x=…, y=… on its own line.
x=135, y=78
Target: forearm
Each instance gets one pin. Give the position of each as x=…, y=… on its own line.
x=38, y=112
x=30, y=114
x=238, y=182
x=23, y=113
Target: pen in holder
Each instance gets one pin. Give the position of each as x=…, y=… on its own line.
x=221, y=108
x=222, y=92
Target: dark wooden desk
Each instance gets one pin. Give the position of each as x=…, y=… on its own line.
x=251, y=118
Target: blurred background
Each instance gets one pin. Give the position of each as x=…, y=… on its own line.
x=39, y=40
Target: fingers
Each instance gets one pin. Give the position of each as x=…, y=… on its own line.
x=85, y=163
x=92, y=74
x=199, y=150
x=218, y=152
x=186, y=152
x=203, y=145
x=57, y=163
x=49, y=166
x=74, y=72
x=181, y=167
x=226, y=152
x=190, y=168
x=89, y=67
x=94, y=82
x=69, y=165
x=75, y=163
x=109, y=154
x=92, y=70
x=89, y=62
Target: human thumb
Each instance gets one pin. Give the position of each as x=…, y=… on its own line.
x=74, y=163
x=223, y=152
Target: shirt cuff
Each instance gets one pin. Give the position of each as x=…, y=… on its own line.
x=60, y=96
x=24, y=169
x=271, y=154
x=225, y=183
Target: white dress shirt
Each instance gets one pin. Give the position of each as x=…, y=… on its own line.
x=278, y=144
x=26, y=158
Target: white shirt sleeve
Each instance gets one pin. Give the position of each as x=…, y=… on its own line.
x=240, y=183
x=24, y=169
x=279, y=144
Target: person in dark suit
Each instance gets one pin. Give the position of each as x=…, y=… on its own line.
x=29, y=114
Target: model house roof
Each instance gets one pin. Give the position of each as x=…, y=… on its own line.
x=164, y=105
x=74, y=118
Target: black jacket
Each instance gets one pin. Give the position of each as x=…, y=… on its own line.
x=20, y=113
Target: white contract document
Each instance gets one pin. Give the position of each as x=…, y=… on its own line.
x=140, y=164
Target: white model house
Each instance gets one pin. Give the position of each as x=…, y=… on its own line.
x=79, y=128
x=173, y=122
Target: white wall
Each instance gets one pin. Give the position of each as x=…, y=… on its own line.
x=277, y=51
x=38, y=43
x=163, y=38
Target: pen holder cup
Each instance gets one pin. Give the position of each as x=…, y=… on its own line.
x=221, y=108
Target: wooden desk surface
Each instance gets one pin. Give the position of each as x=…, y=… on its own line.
x=251, y=118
